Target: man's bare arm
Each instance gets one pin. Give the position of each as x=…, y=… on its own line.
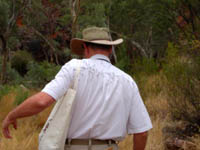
x=29, y=107
x=139, y=141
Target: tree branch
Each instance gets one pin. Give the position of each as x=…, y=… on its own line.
x=3, y=43
x=75, y=7
x=13, y=16
x=140, y=48
x=48, y=43
x=143, y=52
x=113, y=48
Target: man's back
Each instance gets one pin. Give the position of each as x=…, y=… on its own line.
x=106, y=102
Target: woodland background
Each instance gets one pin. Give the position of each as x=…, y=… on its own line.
x=161, y=51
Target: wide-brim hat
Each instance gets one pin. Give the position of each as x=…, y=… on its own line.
x=92, y=35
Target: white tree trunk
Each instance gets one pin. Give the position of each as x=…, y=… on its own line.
x=143, y=52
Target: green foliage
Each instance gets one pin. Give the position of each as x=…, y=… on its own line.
x=4, y=90
x=171, y=52
x=21, y=95
x=20, y=61
x=12, y=76
x=145, y=66
x=91, y=14
x=123, y=59
x=40, y=73
x=183, y=73
x=13, y=40
x=4, y=15
x=37, y=17
x=147, y=22
x=65, y=19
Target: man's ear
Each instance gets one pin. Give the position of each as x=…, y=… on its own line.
x=84, y=46
x=86, y=50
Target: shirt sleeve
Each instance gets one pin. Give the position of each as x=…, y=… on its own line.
x=62, y=81
x=139, y=120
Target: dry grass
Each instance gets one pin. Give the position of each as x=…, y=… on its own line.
x=155, y=138
x=26, y=137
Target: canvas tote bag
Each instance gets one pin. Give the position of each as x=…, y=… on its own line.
x=54, y=132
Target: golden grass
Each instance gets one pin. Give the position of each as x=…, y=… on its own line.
x=155, y=138
x=26, y=135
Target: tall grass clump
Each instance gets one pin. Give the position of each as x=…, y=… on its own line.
x=183, y=73
x=145, y=72
x=145, y=66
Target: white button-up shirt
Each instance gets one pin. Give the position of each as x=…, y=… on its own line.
x=107, y=105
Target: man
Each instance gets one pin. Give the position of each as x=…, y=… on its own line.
x=107, y=104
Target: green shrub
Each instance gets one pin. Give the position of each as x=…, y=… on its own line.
x=4, y=90
x=12, y=76
x=183, y=75
x=123, y=61
x=145, y=66
x=20, y=60
x=4, y=15
x=40, y=73
x=21, y=95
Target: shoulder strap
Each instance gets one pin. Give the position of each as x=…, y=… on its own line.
x=76, y=76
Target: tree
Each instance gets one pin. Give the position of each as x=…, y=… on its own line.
x=145, y=24
x=7, y=22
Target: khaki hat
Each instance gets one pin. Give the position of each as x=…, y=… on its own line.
x=92, y=35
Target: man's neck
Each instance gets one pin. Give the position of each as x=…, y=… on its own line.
x=100, y=52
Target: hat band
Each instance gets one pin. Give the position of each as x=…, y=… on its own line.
x=99, y=40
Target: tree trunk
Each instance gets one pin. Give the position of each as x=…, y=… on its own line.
x=143, y=52
x=52, y=48
x=4, y=66
x=4, y=60
x=75, y=7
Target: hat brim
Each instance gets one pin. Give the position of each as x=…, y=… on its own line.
x=76, y=44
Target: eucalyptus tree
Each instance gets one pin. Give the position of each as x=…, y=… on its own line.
x=146, y=24
x=9, y=10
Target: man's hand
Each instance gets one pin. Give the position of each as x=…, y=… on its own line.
x=5, y=126
x=33, y=105
x=140, y=140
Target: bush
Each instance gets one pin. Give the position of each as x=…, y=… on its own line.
x=12, y=76
x=123, y=61
x=21, y=95
x=4, y=90
x=40, y=73
x=4, y=15
x=183, y=74
x=20, y=60
x=145, y=66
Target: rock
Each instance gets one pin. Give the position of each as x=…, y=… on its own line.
x=179, y=144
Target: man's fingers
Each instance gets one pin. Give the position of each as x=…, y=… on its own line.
x=5, y=127
x=15, y=125
x=6, y=133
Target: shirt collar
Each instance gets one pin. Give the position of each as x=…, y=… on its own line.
x=100, y=56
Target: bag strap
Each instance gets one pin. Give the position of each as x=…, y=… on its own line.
x=76, y=76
